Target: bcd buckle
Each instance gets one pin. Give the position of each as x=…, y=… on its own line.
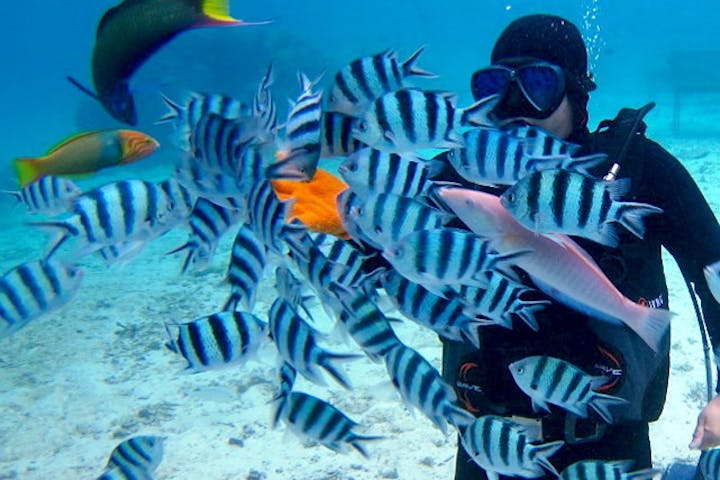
x=571, y=433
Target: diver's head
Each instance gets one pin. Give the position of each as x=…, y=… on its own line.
x=539, y=69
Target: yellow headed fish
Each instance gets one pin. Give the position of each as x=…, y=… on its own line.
x=87, y=153
x=315, y=202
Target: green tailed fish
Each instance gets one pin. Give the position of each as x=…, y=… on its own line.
x=131, y=32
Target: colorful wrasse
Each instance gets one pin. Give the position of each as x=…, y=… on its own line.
x=557, y=265
x=131, y=32
x=315, y=202
x=87, y=153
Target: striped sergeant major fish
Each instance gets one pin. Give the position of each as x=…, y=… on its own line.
x=710, y=464
x=299, y=158
x=607, y=470
x=295, y=341
x=267, y=217
x=197, y=105
x=315, y=419
x=410, y=119
x=219, y=144
x=385, y=218
x=446, y=317
x=501, y=301
x=216, y=187
x=336, y=139
x=135, y=458
x=438, y=258
x=263, y=107
x=247, y=263
x=33, y=289
x=217, y=340
x=502, y=447
x=49, y=195
x=551, y=380
x=208, y=223
x=421, y=386
x=557, y=266
x=491, y=156
x=541, y=143
x=382, y=172
x=358, y=84
x=561, y=201
x=291, y=289
x=351, y=257
x=123, y=211
x=363, y=320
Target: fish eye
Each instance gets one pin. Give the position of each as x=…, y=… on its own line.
x=520, y=370
x=352, y=166
x=510, y=197
x=362, y=126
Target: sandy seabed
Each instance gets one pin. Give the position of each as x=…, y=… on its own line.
x=76, y=382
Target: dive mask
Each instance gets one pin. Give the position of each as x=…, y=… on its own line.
x=533, y=90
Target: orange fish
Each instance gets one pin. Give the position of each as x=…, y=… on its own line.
x=315, y=202
x=87, y=153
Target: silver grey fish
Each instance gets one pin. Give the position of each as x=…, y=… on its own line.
x=33, y=289
x=217, y=340
x=359, y=83
x=561, y=201
x=501, y=447
x=551, y=380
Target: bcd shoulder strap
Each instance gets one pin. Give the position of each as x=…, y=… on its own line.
x=623, y=128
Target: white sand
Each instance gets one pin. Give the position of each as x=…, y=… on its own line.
x=76, y=382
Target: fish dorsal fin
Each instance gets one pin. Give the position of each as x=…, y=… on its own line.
x=113, y=12
x=69, y=139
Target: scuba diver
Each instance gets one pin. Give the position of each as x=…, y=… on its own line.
x=539, y=71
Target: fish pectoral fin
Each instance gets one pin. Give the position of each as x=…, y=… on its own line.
x=83, y=88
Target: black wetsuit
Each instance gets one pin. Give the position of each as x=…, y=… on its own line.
x=688, y=229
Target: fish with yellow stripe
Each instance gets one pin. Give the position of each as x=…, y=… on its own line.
x=86, y=153
x=131, y=32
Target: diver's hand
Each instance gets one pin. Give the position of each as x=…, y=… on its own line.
x=707, y=432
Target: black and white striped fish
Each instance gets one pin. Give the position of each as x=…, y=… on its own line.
x=336, y=139
x=358, y=84
x=383, y=172
x=385, y=218
x=710, y=464
x=295, y=340
x=421, y=386
x=301, y=153
x=541, y=143
x=266, y=215
x=352, y=258
x=217, y=340
x=219, y=144
x=495, y=157
x=502, y=447
x=443, y=316
x=363, y=320
x=607, y=470
x=501, y=300
x=247, y=262
x=438, y=258
x=561, y=201
x=49, y=195
x=118, y=212
x=313, y=418
x=214, y=186
x=32, y=289
x=134, y=458
x=551, y=380
x=208, y=223
x=409, y=119
x=291, y=289
x=263, y=107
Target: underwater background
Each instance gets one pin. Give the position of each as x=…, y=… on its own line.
x=107, y=344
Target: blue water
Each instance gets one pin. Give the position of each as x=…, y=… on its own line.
x=41, y=42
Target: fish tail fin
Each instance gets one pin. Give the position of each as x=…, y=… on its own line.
x=545, y=450
x=652, y=326
x=67, y=230
x=334, y=372
x=355, y=440
x=174, y=112
x=217, y=14
x=27, y=170
x=409, y=68
x=632, y=216
x=83, y=88
x=476, y=115
x=601, y=403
